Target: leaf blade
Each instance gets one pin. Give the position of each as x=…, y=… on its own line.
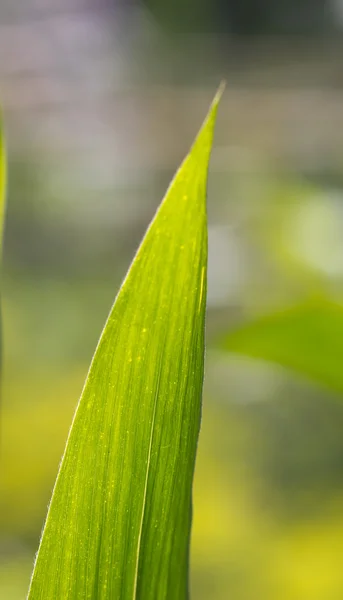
x=307, y=339
x=119, y=520
x=3, y=181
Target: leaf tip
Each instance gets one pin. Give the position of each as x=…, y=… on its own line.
x=205, y=136
x=219, y=93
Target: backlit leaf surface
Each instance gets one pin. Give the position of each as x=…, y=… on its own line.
x=119, y=522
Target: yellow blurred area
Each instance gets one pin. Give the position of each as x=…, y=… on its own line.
x=238, y=549
x=246, y=554
x=34, y=435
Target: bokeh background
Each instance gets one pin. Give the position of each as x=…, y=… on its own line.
x=102, y=99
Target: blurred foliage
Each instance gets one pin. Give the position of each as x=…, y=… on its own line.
x=245, y=17
x=307, y=338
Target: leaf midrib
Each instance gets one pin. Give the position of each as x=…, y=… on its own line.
x=139, y=541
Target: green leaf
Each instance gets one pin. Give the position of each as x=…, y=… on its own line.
x=118, y=526
x=307, y=339
x=3, y=180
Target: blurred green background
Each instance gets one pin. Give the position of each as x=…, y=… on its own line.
x=102, y=100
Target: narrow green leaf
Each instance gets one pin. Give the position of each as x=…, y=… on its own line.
x=3, y=180
x=307, y=339
x=118, y=526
